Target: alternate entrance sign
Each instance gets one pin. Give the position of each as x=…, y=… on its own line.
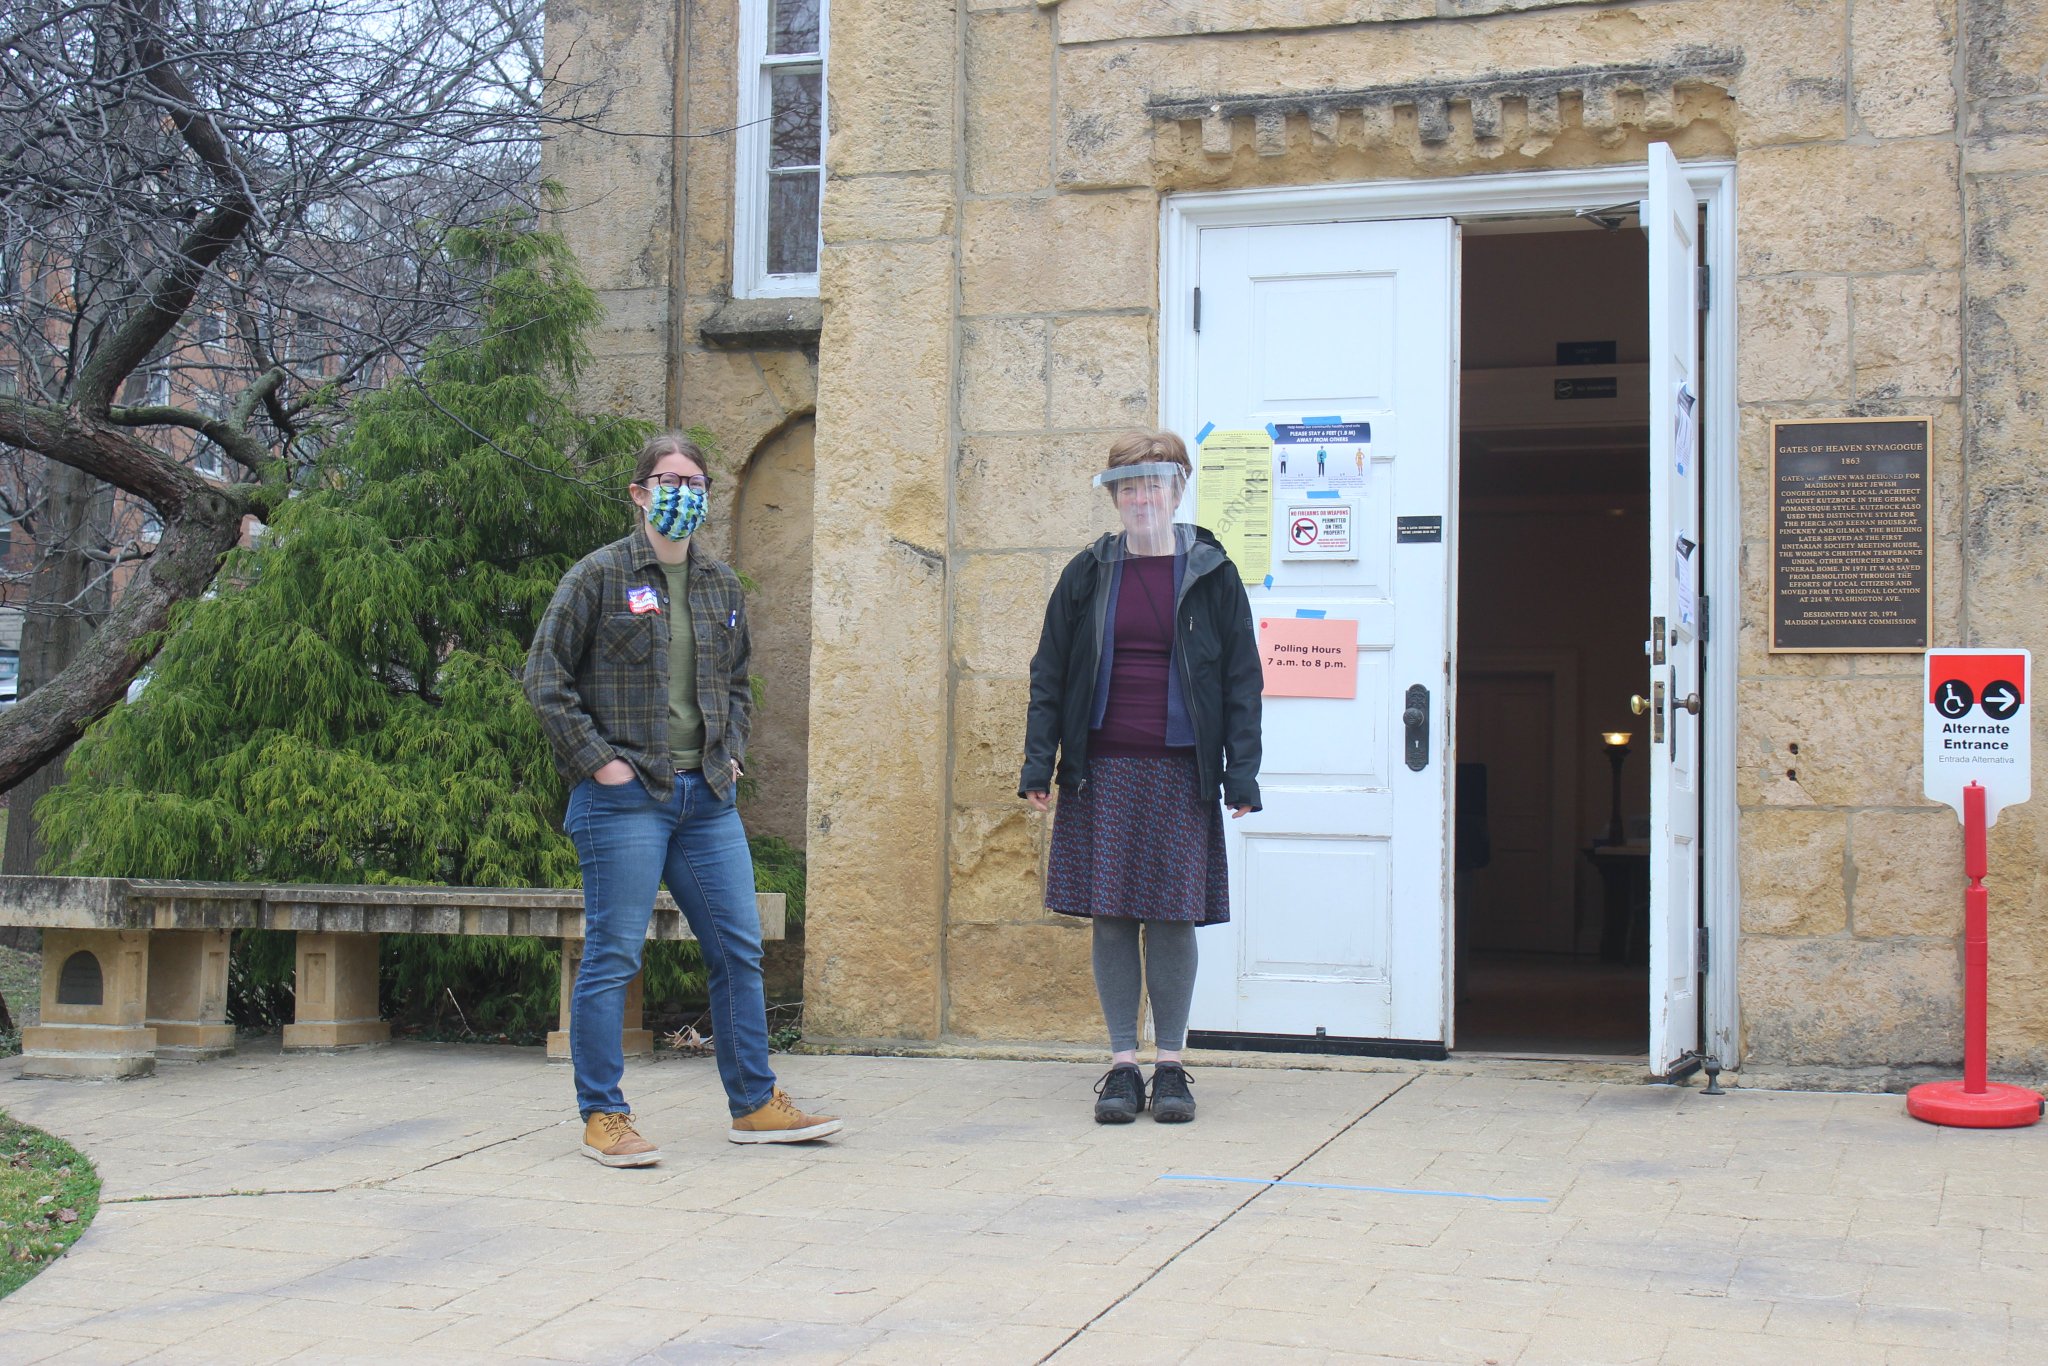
x=1977, y=728
x=1978, y=761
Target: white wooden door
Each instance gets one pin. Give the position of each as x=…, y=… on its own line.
x=1340, y=886
x=1672, y=652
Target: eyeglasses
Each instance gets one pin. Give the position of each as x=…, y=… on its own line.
x=676, y=481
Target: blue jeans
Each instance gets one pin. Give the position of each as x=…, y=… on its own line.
x=629, y=844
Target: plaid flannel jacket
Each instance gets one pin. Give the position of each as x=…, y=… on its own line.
x=598, y=670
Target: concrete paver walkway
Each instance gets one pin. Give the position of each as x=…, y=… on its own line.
x=425, y=1203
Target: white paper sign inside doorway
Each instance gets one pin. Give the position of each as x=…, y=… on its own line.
x=1684, y=429
x=1682, y=579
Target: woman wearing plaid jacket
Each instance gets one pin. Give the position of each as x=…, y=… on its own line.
x=639, y=673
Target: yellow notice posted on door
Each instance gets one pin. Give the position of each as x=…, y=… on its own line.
x=1234, y=498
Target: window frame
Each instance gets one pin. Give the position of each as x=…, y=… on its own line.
x=750, y=277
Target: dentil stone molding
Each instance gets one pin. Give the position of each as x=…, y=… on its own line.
x=1611, y=99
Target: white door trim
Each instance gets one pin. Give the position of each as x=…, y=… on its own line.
x=1522, y=195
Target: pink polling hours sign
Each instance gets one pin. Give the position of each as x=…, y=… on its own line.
x=1309, y=657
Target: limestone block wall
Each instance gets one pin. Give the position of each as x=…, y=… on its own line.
x=647, y=172
x=2003, y=138
x=878, y=775
x=1857, y=156
x=747, y=394
x=1078, y=116
x=1882, y=268
x=618, y=193
x=995, y=172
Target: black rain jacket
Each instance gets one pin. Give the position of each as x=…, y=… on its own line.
x=1213, y=647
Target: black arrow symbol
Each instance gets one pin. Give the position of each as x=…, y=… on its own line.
x=2001, y=699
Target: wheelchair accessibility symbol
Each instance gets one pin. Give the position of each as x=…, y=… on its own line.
x=1954, y=699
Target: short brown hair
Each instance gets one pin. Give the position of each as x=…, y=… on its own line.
x=660, y=448
x=1138, y=448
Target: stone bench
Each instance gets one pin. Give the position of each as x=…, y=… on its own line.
x=135, y=969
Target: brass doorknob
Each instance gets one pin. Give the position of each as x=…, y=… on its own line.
x=1638, y=704
x=1691, y=703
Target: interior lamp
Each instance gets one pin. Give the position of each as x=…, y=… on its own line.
x=1616, y=743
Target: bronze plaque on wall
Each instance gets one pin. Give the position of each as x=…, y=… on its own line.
x=1850, y=535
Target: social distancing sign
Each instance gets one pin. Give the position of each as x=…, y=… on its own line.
x=1977, y=727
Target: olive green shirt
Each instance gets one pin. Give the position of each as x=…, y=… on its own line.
x=685, y=720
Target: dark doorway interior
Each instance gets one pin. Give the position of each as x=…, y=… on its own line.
x=1552, y=868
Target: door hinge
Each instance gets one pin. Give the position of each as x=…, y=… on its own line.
x=1198, y=308
x=1706, y=618
x=1702, y=932
x=1706, y=286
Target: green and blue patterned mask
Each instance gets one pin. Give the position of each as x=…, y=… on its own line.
x=677, y=511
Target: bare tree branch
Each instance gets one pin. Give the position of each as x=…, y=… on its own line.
x=101, y=451
x=172, y=293
x=49, y=719
x=230, y=435
x=217, y=224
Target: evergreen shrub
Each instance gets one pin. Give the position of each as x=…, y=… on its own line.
x=345, y=706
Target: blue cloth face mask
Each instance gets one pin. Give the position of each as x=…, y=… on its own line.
x=677, y=511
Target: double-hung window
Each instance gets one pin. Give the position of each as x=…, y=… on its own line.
x=779, y=178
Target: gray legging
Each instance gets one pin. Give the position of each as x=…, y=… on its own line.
x=1169, y=970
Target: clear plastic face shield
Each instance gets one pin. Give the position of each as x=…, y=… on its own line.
x=1148, y=500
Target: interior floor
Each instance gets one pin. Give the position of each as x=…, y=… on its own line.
x=1553, y=1005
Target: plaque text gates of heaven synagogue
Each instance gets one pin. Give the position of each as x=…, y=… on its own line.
x=1850, y=534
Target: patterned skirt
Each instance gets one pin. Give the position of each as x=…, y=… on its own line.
x=1142, y=841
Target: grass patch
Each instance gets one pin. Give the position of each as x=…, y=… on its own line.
x=48, y=1195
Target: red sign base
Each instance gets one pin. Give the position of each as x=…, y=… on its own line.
x=1997, y=1106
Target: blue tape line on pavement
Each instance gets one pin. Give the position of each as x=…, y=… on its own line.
x=1312, y=613
x=1376, y=1190
x=1203, y=435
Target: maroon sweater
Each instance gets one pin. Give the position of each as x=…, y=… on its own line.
x=1134, y=723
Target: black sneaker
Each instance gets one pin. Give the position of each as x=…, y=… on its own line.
x=1122, y=1095
x=1172, y=1102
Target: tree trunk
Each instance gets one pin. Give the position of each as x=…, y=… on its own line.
x=68, y=598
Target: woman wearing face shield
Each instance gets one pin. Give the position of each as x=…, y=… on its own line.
x=639, y=672
x=1144, y=710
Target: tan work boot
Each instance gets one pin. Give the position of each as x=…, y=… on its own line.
x=780, y=1121
x=611, y=1139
